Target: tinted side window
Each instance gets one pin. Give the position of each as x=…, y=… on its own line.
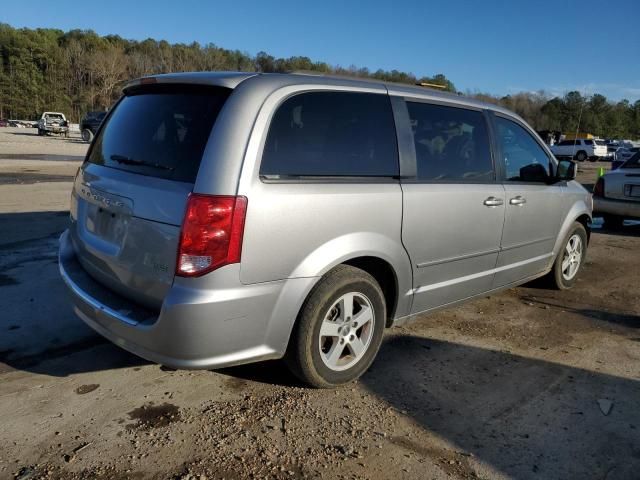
x=452, y=144
x=332, y=134
x=523, y=157
x=588, y=142
x=567, y=143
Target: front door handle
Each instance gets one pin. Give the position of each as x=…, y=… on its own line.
x=493, y=202
x=518, y=200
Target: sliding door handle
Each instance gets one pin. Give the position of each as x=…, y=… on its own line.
x=493, y=202
x=518, y=200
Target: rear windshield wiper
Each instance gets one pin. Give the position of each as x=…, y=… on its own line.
x=130, y=161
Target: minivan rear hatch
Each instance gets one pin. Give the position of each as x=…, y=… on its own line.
x=129, y=197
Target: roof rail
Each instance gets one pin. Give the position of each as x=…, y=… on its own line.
x=338, y=76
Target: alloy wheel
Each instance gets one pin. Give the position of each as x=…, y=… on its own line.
x=572, y=257
x=346, y=331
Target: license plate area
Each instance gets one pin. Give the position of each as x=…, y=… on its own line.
x=107, y=225
x=106, y=216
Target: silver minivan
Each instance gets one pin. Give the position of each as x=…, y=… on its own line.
x=227, y=218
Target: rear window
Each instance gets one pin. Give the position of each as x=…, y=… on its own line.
x=160, y=130
x=332, y=134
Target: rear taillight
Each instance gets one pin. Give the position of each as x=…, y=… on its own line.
x=598, y=188
x=211, y=234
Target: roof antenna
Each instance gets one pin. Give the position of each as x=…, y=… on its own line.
x=575, y=139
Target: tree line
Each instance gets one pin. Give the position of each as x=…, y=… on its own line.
x=79, y=70
x=573, y=112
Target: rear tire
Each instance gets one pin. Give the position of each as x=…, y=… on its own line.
x=339, y=329
x=570, y=258
x=581, y=156
x=87, y=135
x=613, y=222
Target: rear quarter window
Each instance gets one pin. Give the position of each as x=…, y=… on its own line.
x=332, y=134
x=159, y=130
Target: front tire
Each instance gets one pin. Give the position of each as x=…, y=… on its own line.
x=339, y=329
x=87, y=135
x=570, y=259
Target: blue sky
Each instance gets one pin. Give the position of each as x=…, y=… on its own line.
x=491, y=46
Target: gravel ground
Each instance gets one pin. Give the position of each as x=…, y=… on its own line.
x=529, y=383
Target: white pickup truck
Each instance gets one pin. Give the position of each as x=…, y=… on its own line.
x=581, y=149
x=53, y=122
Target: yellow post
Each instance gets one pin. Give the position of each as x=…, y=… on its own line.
x=600, y=172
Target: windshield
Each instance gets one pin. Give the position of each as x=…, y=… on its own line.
x=159, y=130
x=633, y=162
x=600, y=142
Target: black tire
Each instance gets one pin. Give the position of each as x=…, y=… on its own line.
x=40, y=132
x=613, y=222
x=581, y=156
x=556, y=279
x=304, y=351
x=87, y=135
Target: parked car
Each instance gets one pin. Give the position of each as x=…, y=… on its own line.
x=623, y=154
x=53, y=122
x=616, y=195
x=90, y=123
x=4, y=123
x=581, y=149
x=226, y=218
x=612, y=148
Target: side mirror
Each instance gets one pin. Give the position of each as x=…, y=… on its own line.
x=566, y=170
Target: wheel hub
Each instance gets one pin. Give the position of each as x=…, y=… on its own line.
x=346, y=332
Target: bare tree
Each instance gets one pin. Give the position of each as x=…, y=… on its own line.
x=108, y=68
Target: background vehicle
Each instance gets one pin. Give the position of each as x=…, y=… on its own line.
x=612, y=148
x=581, y=149
x=4, y=123
x=224, y=218
x=616, y=195
x=623, y=154
x=53, y=122
x=90, y=123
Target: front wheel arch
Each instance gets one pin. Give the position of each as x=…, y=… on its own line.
x=585, y=220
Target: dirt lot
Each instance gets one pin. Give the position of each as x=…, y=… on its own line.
x=530, y=383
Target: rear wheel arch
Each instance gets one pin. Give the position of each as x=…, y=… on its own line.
x=304, y=355
x=386, y=277
x=581, y=154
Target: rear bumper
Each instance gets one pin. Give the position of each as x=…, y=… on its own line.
x=218, y=324
x=621, y=208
